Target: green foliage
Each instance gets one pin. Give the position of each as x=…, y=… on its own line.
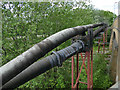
x=101, y=78
x=25, y=24
x=103, y=16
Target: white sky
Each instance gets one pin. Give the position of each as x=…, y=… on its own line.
x=107, y=5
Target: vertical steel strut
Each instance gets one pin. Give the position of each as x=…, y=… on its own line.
x=89, y=69
x=104, y=40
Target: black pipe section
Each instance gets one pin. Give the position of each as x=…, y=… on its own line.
x=101, y=29
x=21, y=62
x=39, y=67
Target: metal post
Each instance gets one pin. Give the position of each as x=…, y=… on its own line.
x=88, y=72
x=106, y=37
x=72, y=71
x=77, y=60
x=103, y=42
x=92, y=68
x=99, y=45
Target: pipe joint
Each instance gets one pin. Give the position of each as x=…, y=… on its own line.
x=82, y=43
x=59, y=63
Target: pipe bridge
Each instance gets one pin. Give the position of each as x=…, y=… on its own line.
x=26, y=67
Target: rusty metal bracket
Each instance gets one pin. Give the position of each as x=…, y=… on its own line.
x=82, y=43
x=89, y=39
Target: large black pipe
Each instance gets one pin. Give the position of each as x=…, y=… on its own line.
x=101, y=29
x=47, y=63
x=43, y=65
x=21, y=62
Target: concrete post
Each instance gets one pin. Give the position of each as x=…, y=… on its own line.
x=118, y=59
x=115, y=47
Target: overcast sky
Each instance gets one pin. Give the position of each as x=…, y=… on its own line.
x=108, y=5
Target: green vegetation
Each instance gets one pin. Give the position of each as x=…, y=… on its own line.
x=25, y=24
x=101, y=72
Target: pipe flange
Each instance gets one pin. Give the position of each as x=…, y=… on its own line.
x=58, y=58
x=80, y=41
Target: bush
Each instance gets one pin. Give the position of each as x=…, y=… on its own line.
x=101, y=78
